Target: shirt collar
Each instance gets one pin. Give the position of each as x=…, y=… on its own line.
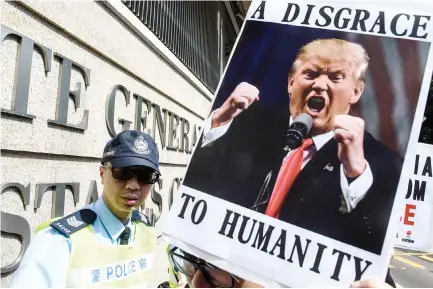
x=111, y=223
x=321, y=139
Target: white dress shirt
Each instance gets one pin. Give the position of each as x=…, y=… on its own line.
x=351, y=194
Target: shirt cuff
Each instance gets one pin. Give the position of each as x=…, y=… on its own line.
x=355, y=192
x=210, y=135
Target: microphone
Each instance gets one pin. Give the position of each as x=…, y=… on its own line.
x=294, y=136
x=297, y=131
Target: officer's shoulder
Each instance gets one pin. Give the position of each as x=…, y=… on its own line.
x=74, y=222
x=142, y=218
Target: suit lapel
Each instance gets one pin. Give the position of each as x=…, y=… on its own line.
x=323, y=161
x=324, y=164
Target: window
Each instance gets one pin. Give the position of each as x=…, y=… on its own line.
x=199, y=33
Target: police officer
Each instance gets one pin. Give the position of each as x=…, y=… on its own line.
x=108, y=243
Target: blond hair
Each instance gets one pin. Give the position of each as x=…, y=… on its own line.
x=330, y=50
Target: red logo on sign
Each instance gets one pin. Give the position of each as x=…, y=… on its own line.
x=408, y=233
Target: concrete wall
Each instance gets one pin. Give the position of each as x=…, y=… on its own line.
x=116, y=49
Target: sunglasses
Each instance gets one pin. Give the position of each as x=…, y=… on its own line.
x=144, y=175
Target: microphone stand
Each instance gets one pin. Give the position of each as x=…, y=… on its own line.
x=264, y=194
x=294, y=137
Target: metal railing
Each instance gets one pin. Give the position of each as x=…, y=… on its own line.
x=197, y=32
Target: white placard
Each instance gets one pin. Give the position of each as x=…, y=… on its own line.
x=416, y=221
x=332, y=229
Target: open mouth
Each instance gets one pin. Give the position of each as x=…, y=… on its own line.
x=130, y=200
x=316, y=103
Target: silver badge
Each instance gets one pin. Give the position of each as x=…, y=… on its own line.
x=72, y=221
x=141, y=146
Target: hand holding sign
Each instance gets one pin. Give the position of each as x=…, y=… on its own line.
x=349, y=132
x=370, y=283
x=241, y=98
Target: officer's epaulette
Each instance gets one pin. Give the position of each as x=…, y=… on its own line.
x=74, y=222
x=140, y=217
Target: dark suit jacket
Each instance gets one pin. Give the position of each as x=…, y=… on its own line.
x=235, y=166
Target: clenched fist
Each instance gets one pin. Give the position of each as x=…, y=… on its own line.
x=241, y=98
x=349, y=132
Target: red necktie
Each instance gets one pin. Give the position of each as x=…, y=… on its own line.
x=290, y=168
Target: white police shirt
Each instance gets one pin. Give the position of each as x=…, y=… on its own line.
x=45, y=263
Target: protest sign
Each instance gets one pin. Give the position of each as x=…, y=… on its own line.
x=416, y=220
x=318, y=215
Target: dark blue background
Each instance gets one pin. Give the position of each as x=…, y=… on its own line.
x=266, y=51
x=263, y=57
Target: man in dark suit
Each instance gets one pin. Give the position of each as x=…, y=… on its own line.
x=347, y=181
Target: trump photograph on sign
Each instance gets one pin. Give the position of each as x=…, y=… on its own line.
x=299, y=164
x=355, y=94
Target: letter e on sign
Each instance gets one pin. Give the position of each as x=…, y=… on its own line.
x=409, y=214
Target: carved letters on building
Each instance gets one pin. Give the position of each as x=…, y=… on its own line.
x=173, y=130
x=18, y=108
